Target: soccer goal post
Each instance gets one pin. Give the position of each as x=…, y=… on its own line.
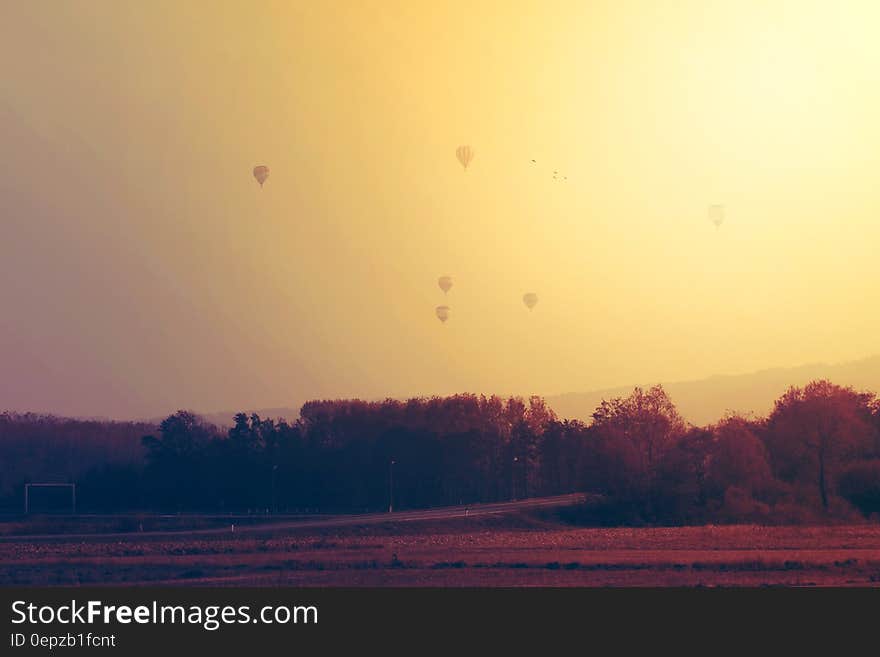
x=27, y=494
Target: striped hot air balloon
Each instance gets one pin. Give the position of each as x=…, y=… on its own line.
x=464, y=154
x=442, y=313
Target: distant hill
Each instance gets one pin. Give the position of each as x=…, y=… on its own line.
x=706, y=400
x=701, y=401
x=224, y=418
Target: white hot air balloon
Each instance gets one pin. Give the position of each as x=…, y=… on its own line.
x=530, y=299
x=464, y=154
x=442, y=313
x=716, y=215
x=261, y=173
x=445, y=283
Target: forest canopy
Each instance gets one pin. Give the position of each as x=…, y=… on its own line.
x=815, y=457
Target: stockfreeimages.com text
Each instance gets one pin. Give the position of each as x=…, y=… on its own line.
x=210, y=617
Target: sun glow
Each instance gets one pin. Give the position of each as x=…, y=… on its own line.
x=324, y=283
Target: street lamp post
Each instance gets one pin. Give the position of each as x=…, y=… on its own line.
x=513, y=478
x=274, y=496
x=391, y=486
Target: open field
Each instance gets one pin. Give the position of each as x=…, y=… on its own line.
x=14, y=526
x=519, y=550
x=126, y=527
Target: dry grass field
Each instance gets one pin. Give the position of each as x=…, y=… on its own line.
x=517, y=551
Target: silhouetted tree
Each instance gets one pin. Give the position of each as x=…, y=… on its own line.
x=859, y=484
x=680, y=486
x=815, y=429
x=738, y=457
x=181, y=435
x=647, y=420
x=174, y=459
x=45, y=448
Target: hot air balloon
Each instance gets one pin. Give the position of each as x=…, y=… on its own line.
x=445, y=283
x=442, y=313
x=716, y=215
x=464, y=154
x=530, y=299
x=261, y=172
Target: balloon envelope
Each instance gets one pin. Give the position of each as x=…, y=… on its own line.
x=716, y=215
x=530, y=299
x=442, y=313
x=445, y=283
x=464, y=154
x=261, y=173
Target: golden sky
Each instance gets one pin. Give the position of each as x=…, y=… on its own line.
x=142, y=268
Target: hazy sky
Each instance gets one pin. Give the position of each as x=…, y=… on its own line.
x=142, y=268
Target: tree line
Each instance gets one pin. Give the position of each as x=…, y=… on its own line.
x=815, y=456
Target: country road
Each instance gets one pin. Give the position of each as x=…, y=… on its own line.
x=444, y=513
